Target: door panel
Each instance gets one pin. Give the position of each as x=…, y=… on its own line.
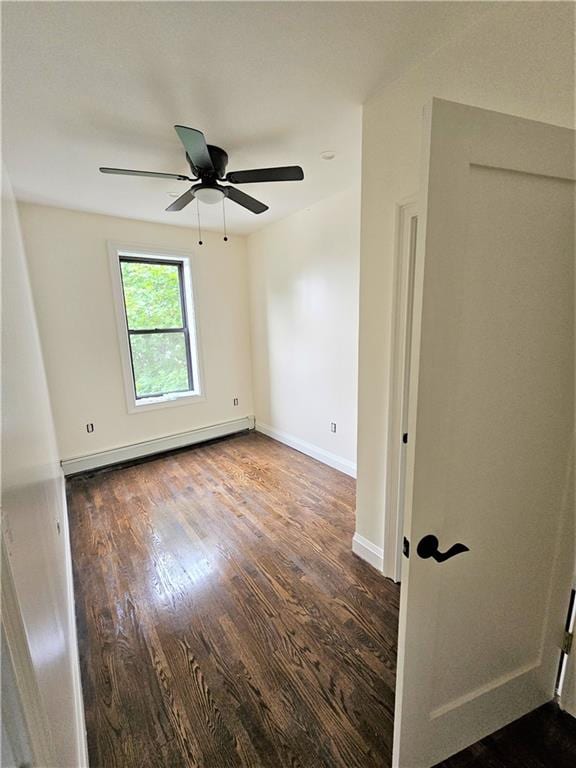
x=492, y=414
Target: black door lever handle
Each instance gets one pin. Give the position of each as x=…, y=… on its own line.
x=428, y=547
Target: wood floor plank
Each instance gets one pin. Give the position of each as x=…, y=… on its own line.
x=223, y=621
x=223, y=618
x=545, y=738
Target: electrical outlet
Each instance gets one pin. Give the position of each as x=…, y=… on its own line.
x=332, y=426
x=235, y=401
x=90, y=428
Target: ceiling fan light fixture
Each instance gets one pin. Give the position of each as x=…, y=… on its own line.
x=209, y=195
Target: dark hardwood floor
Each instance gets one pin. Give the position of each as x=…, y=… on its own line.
x=223, y=621
x=546, y=738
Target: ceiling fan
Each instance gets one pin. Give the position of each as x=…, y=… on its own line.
x=208, y=165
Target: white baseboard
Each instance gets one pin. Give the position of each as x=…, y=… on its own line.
x=337, y=462
x=158, y=445
x=368, y=551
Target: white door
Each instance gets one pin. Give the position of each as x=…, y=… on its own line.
x=490, y=451
x=567, y=682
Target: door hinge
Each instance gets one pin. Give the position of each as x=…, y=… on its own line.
x=405, y=438
x=406, y=547
x=567, y=642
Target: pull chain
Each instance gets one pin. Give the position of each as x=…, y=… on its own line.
x=199, y=230
x=224, y=217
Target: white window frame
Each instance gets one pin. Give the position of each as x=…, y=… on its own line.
x=140, y=405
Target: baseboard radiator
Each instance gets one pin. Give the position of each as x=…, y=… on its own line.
x=158, y=445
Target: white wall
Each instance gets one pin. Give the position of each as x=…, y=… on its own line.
x=518, y=59
x=70, y=275
x=33, y=502
x=304, y=297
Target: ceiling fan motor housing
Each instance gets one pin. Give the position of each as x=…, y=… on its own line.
x=219, y=160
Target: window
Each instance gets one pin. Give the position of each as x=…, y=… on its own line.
x=157, y=320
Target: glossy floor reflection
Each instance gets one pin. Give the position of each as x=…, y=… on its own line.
x=223, y=619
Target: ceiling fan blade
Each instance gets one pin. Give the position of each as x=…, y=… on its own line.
x=287, y=173
x=196, y=147
x=245, y=200
x=182, y=201
x=128, y=172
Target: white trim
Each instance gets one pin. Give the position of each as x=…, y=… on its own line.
x=368, y=551
x=406, y=210
x=567, y=678
x=80, y=722
x=331, y=459
x=166, y=401
x=157, y=445
x=115, y=250
x=17, y=652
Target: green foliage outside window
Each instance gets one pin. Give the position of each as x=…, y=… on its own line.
x=152, y=295
x=152, y=301
x=159, y=362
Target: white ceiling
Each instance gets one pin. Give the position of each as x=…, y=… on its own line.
x=273, y=83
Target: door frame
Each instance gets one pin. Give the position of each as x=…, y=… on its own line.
x=567, y=680
x=401, y=337
x=27, y=726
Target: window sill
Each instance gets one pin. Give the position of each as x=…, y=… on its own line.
x=166, y=401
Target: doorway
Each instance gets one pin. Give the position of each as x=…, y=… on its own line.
x=407, y=230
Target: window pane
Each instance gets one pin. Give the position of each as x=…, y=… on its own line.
x=159, y=361
x=151, y=295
